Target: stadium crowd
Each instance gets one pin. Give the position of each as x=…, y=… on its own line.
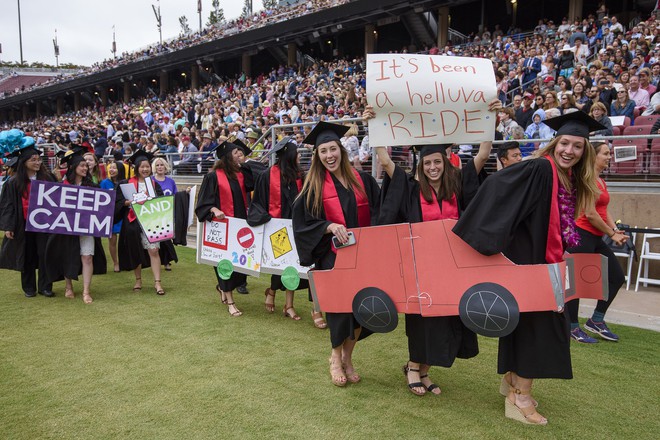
x=549, y=72
x=213, y=32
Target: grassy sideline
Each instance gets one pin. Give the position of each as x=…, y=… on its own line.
x=141, y=366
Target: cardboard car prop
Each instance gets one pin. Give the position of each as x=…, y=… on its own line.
x=424, y=268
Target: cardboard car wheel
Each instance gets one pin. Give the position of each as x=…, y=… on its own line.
x=375, y=310
x=224, y=269
x=489, y=310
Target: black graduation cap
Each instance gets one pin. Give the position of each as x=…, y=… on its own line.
x=140, y=153
x=72, y=156
x=575, y=124
x=425, y=150
x=284, y=143
x=11, y=161
x=244, y=148
x=325, y=132
x=23, y=154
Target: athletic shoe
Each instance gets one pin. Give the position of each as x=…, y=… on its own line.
x=580, y=336
x=600, y=328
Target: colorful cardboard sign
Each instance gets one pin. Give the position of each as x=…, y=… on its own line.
x=156, y=217
x=230, y=240
x=429, y=99
x=279, y=248
x=70, y=210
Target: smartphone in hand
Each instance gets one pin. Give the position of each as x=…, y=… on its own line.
x=351, y=241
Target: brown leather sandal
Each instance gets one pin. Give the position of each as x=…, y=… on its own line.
x=507, y=384
x=158, y=291
x=319, y=322
x=270, y=306
x=290, y=312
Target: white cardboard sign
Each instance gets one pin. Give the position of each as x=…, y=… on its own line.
x=279, y=248
x=430, y=99
x=230, y=239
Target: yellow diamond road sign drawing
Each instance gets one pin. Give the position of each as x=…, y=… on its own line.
x=280, y=242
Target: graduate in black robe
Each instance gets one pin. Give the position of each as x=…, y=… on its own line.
x=432, y=341
x=262, y=209
x=66, y=255
x=135, y=251
x=318, y=216
x=21, y=250
x=210, y=204
x=518, y=212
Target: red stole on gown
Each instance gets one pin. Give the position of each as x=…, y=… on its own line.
x=275, y=192
x=431, y=210
x=332, y=205
x=554, y=249
x=224, y=191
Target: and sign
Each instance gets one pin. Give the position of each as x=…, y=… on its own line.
x=430, y=99
x=156, y=217
x=230, y=239
x=70, y=210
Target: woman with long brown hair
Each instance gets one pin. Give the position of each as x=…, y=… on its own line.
x=21, y=250
x=535, y=227
x=224, y=193
x=435, y=190
x=334, y=198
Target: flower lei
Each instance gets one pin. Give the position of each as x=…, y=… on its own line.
x=567, y=201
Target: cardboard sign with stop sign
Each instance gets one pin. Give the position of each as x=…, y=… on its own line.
x=233, y=241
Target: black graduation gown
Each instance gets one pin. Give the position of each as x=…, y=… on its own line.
x=14, y=253
x=258, y=213
x=431, y=340
x=210, y=198
x=129, y=245
x=181, y=206
x=313, y=245
x=511, y=214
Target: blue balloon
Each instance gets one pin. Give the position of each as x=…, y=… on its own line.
x=14, y=137
x=27, y=141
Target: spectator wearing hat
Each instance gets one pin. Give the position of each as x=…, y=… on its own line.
x=581, y=52
x=523, y=115
x=257, y=148
x=566, y=62
x=645, y=81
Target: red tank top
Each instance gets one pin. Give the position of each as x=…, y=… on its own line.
x=601, y=208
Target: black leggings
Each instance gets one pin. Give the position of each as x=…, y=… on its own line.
x=594, y=244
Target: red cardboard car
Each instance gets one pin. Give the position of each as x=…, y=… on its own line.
x=424, y=268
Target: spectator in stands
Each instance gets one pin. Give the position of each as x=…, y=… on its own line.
x=531, y=67
x=581, y=52
x=537, y=130
x=550, y=100
x=645, y=81
x=579, y=96
x=507, y=123
x=640, y=96
x=100, y=145
x=539, y=101
x=623, y=105
x=599, y=113
x=524, y=114
x=567, y=103
x=509, y=154
x=566, y=61
x=189, y=158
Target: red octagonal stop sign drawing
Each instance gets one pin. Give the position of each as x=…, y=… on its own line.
x=245, y=237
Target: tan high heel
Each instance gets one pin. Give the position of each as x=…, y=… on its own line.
x=319, y=322
x=507, y=384
x=68, y=293
x=87, y=299
x=527, y=414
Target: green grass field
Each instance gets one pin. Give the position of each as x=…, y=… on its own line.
x=141, y=366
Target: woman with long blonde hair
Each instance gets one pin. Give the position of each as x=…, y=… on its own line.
x=528, y=212
x=334, y=198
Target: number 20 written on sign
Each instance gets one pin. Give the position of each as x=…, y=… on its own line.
x=242, y=260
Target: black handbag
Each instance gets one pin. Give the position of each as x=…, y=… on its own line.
x=627, y=248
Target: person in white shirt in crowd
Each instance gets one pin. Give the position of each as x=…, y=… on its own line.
x=637, y=94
